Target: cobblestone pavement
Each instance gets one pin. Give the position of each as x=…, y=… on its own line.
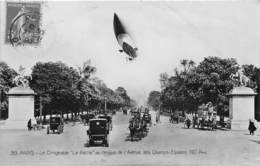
x=165, y=144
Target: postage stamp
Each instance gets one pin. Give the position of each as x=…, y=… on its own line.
x=23, y=23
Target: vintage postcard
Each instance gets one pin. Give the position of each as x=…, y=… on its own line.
x=136, y=83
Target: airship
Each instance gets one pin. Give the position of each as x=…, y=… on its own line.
x=124, y=40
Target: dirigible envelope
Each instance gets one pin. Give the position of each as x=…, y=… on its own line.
x=124, y=39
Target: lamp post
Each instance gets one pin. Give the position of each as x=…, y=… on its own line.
x=159, y=110
x=40, y=110
x=1, y=98
x=105, y=104
x=86, y=99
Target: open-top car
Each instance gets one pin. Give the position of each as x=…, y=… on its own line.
x=56, y=124
x=108, y=118
x=98, y=132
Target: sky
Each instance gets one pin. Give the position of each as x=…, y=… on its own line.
x=164, y=32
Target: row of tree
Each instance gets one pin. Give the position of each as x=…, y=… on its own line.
x=192, y=85
x=63, y=89
x=7, y=75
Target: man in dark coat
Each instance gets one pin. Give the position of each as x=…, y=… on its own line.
x=29, y=124
x=251, y=127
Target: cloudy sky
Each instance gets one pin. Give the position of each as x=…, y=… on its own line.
x=164, y=32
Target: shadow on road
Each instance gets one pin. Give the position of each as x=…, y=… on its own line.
x=135, y=139
x=255, y=141
x=223, y=129
x=206, y=129
x=185, y=128
x=86, y=145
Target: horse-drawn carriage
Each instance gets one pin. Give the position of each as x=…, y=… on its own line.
x=136, y=112
x=207, y=119
x=176, y=117
x=147, y=118
x=138, y=129
x=138, y=125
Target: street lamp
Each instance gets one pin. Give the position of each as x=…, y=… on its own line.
x=1, y=99
x=40, y=110
x=86, y=100
x=105, y=104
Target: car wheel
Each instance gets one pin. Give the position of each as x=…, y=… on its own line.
x=106, y=143
x=90, y=142
x=59, y=130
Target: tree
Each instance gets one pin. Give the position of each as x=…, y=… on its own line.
x=86, y=70
x=216, y=82
x=121, y=91
x=133, y=103
x=57, y=84
x=187, y=65
x=193, y=85
x=253, y=73
x=7, y=75
x=164, y=80
x=84, y=85
x=154, y=99
x=176, y=94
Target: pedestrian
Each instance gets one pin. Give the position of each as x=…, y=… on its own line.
x=195, y=119
x=33, y=123
x=131, y=128
x=188, y=123
x=29, y=124
x=171, y=117
x=157, y=116
x=251, y=127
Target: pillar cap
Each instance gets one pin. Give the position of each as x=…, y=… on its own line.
x=21, y=91
x=242, y=91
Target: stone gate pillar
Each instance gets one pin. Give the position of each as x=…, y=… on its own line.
x=20, y=107
x=241, y=107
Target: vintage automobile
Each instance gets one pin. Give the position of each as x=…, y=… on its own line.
x=108, y=118
x=56, y=124
x=86, y=117
x=98, y=132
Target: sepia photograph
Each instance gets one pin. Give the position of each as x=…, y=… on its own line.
x=129, y=83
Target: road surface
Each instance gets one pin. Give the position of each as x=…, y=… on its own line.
x=165, y=144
